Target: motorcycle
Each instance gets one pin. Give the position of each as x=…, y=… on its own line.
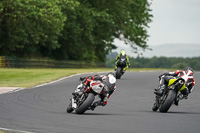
x=82, y=100
x=121, y=64
x=170, y=95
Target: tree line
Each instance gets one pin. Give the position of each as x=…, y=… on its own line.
x=71, y=29
x=160, y=62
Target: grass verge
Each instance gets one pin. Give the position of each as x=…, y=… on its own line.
x=26, y=78
x=31, y=77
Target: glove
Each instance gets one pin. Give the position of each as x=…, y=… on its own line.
x=160, y=76
x=82, y=78
x=104, y=103
x=98, y=78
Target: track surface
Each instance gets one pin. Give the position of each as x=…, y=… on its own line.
x=43, y=109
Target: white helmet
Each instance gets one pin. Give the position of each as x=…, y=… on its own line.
x=112, y=79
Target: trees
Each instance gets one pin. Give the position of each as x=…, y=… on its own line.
x=71, y=29
x=91, y=28
x=28, y=26
x=160, y=62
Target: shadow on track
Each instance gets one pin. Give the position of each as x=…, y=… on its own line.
x=171, y=112
x=96, y=114
x=183, y=112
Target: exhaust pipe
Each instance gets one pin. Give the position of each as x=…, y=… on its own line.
x=180, y=82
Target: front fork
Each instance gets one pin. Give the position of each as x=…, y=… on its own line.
x=159, y=99
x=78, y=99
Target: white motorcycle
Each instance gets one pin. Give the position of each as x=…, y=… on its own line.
x=82, y=99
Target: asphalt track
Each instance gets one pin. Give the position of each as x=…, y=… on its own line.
x=43, y=109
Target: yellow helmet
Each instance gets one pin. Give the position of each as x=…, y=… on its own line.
x=122, y=52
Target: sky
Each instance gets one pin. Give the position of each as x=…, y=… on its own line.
x=174, y=22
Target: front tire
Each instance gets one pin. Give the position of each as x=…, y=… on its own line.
x=84, y=106
x=118, y=73
x=69, y=108
x=168, y=101
x=155, y=107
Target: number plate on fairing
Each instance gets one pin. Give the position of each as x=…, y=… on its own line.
x=97, y=86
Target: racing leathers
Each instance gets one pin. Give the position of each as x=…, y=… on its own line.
x=121, y=56
x=164, y=80
x=107, y=91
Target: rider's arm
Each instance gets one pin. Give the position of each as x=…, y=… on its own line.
x=117, y=57
x=105, y=100
x=86, y=80
x=97, y=78
x=169, y=74
x=110, y=93
x=128, y=60
x=191, y=86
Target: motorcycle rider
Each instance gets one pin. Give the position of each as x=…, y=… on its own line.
x=108, y=80
x=187, y=75
x=122, y=55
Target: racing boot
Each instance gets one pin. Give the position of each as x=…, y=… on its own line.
x=124, y=69
x=159, y=91
x=183, y=96
x=177, y=100
x=94, y=105
x=180, y=97
x=115, y=68
x=184, y=93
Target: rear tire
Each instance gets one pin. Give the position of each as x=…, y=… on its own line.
x=118, y=73
x=168, y=101
x=87, y=103
x=69, y=108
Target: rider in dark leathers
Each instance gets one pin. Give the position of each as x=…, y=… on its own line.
x=108, y=80
x=187, y=75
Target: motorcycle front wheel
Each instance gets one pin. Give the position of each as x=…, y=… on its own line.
x=118, y=73
x=69, y=108
x=87, y=103
x=155, y=107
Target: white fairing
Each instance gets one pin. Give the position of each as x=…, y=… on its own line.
x=73, y=103
x=97, y=86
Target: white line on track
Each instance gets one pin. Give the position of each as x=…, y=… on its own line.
x=63, y=79
x=12, y=130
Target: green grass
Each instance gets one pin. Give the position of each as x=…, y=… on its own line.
x=1, y=131
x=31, y=77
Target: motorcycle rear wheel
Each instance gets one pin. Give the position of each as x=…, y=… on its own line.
x=168, y=101
x=87, y=103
